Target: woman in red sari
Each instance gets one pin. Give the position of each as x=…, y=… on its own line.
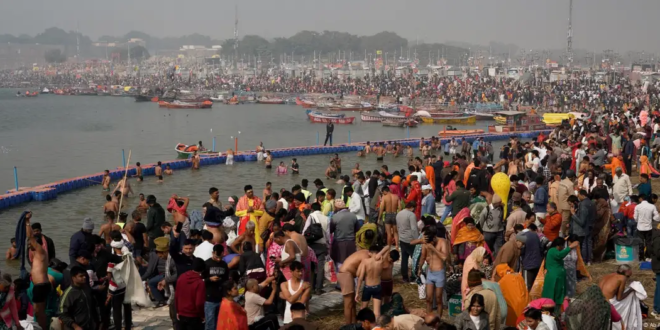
x=232, y=316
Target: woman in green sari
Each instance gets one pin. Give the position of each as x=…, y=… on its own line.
x=555, y=279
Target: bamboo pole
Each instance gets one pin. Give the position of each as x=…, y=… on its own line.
x=124, y=183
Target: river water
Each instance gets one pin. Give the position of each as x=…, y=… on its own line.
x=50, y=138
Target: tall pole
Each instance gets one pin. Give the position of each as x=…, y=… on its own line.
x=569, y=46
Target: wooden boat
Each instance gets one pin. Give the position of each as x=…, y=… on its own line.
x=394, y=123
x=185, y=105
x=451, y=131
x=463, y=120
x=334, y=120
x=370, y=118
x=350, y=107
x=264, y=100
x=517, y=121
x=45, y=90
x=185, y=150
x=499, y=119
x=33, y=94
x=324, y=114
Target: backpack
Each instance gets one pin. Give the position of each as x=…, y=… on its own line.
x=314, y=232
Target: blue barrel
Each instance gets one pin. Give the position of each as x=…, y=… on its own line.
x=3, y=203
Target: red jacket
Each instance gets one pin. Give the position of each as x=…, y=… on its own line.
x=190, y=294
x=630, y=211
x=416, y=196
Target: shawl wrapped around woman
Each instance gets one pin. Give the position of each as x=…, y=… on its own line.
x=602, y=228
x=457, y=224
x=473, y=261
x=232, y=316
x=514, y=291
x=646, y=168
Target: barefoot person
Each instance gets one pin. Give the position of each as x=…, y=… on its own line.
x=39, y=275
x=389, y=206
x=613, y=285
x=386, y=277
x=110, y=205
x=346, y=279
x=106, y=228
x=369, y=272
x=434, y=252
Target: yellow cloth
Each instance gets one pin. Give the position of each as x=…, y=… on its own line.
x=466, y=235
x=361, y=240
x=253, y=217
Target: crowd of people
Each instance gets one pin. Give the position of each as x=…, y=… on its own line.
x=580, y=91
x=512, y=238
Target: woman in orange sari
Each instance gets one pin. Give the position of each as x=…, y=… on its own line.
x=232, y=316
x=514, y=291
x=646, y=168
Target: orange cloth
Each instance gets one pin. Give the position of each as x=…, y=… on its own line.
x=232, y=316
x=466, y=235
x=430, y=175
x=616, y=162
x=551, y=225
x=514, y=291
x=457, y=223
x=466, y=176
x=646, y=168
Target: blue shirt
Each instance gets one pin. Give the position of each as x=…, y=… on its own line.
x=475, y=145
x=428, y=204
x=540, y=200
x=644, y=188
x=532, y=253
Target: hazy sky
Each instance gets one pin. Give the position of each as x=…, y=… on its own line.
x=540, y=24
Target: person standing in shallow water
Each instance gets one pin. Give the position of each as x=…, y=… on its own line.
x=195, y=161
x=158, y=171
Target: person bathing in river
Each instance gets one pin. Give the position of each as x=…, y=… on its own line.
x=195, y=161
x=158, y=171
x=11, y=252
x=110, y=205
x=106, y=181
x=138, y=174
x=282, y=169
x=168, y=170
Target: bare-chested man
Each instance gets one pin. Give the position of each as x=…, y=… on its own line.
x=106, y=181
x=246, y=236
x=107, y=227
x=386, y=277
x=613, y=285
x=138, y=172
x=168, y=170
x=158, y=171
x=389, y=206
x=390, y=148
x=367, y=148
x=11, y=252
x=39, y=274
x=124, y=186
x=369, y=272
x=267, y=191
x=435, y=252
x=346, y=279
x=110, y=205
x=142, y=206
x=356, y=170
x=195, y=161
x=380, y=152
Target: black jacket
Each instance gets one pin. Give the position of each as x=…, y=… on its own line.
x=76, y=307
x=655, y=247
x=155, y=219
x=329, y=128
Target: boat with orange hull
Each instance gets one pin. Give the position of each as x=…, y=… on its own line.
x=185, y=105
x=334, y=120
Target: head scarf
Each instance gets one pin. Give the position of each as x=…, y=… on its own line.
x=473, y=261
x=514, y=291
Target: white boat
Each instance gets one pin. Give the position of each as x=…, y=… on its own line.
x=45, y=91
x=220, y=98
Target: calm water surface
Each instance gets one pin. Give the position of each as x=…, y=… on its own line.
x=51, y=138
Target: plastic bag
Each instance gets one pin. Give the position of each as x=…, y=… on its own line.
x=421, y=286
x=330, y=273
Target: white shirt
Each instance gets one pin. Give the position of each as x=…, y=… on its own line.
x=355, y=206
x=645, y=213
x=622, y=187
x=321, y=219
x=204, y=251
x=285, y=204
x=476, y=321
